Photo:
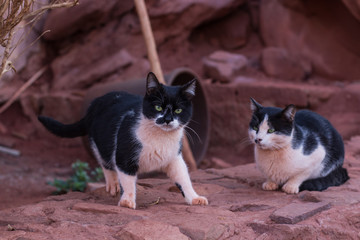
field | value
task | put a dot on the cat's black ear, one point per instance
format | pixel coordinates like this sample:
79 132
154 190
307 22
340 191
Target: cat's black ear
189 89
152 83
254 105
289 112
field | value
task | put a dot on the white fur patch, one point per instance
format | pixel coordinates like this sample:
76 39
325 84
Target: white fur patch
159 146
128 184
263 128
173 125
161 151
289 166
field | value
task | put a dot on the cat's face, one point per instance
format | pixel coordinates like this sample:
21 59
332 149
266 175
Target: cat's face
168 106
271 128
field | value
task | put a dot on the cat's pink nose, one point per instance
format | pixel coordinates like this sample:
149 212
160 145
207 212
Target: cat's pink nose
258 140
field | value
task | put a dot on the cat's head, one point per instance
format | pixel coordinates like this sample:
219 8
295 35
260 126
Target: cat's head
169 107
270 127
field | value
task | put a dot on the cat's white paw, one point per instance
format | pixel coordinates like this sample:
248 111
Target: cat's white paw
199 201
270 186
127 203
291 188
127 200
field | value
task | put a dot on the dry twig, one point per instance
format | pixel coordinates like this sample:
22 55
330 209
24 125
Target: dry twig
12 12
22 89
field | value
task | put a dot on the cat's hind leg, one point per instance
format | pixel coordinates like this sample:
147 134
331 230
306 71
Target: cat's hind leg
128 185
111 179
178 172
112 182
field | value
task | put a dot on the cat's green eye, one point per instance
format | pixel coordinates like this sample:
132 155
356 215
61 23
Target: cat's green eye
255 128
158 108
179 110
271 130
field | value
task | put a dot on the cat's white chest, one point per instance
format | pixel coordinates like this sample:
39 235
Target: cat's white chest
281 165
158 147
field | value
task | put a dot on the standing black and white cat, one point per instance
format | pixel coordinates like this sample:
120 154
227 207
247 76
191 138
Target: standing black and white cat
296 150
131 134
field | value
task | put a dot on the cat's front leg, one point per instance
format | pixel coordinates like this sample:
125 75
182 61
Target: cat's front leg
178 172
270 185
293 184
128 185
291 188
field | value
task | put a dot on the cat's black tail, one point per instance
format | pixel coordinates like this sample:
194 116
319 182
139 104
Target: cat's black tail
335 178
64 130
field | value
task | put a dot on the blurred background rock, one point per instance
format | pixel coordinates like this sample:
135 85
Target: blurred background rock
277 51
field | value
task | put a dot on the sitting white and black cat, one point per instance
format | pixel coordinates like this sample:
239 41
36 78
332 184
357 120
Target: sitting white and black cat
131 134
296 150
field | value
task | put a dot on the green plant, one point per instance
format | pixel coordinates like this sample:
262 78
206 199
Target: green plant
98 174
79 180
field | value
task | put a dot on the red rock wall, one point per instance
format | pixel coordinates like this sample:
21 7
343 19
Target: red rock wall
326 33
312 43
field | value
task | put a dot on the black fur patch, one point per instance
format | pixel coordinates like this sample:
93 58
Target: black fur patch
335 178
112 130
275 120
310 144
311 129
164 97
64 130
180 188
181 147
121 190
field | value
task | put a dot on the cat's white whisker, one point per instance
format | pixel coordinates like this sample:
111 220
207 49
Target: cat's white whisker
192 130
192 120
246 141
188 135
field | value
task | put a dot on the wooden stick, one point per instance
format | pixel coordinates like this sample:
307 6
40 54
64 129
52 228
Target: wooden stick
22 89
149 39
156 68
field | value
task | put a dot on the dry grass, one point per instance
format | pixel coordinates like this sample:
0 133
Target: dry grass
12 13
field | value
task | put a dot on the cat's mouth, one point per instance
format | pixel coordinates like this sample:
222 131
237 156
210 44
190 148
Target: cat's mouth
168 127
262 146
259 145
